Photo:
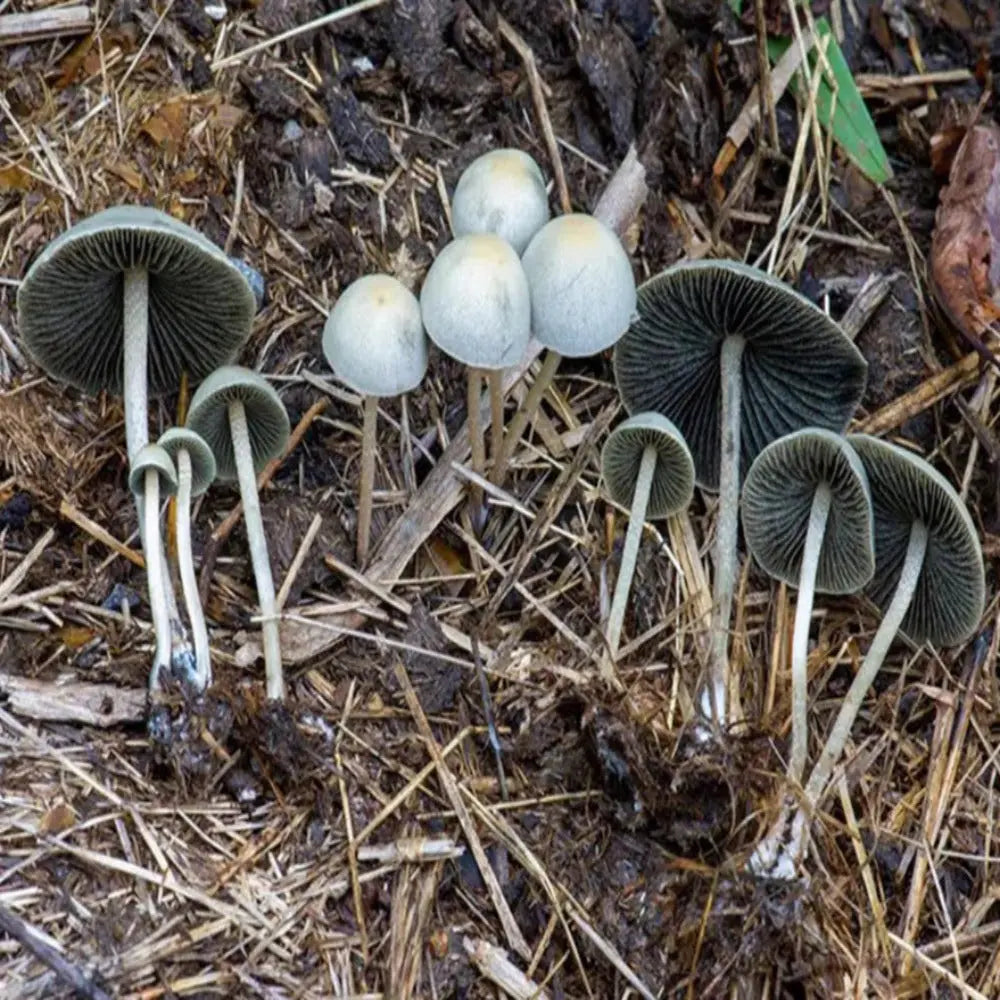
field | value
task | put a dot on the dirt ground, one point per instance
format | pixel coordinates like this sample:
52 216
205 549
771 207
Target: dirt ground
310 852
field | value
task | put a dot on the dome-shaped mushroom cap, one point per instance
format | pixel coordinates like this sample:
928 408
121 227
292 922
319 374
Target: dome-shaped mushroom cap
583 294
474 302
778 498
152 456
948 602
673 478
799 369
267 419
501 192
374 338
70 304
203 466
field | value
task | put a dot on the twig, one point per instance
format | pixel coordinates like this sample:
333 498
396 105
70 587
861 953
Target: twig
101 705
513 933
16 578
494 964
491 729
71 513
81 984
40 24
411 850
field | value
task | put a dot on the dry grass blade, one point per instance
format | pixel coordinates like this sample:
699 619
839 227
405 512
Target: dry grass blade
494 964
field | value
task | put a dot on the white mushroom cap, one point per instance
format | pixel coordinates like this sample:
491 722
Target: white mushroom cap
501 192
475 302
374 338
583 293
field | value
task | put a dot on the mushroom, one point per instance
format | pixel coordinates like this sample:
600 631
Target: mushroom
929 580
807 519
151 476
127 300
374 340
476 308
735 358
196 470
501 192
583 298
647 467
245 424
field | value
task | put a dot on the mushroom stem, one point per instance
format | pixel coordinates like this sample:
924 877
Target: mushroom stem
367 485
135 317
478 445
818 516
525 412
155 576
626 571
778 855
189 582
275 682
727 529
496 413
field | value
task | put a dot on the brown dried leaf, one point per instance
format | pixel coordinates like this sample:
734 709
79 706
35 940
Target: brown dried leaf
965 249
57 819
168 125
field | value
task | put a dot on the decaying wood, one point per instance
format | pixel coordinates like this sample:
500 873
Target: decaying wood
35 25
88 704
443 488
494 964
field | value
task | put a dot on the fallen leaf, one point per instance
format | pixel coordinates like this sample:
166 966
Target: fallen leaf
168 125
72 64
57 819
965 247
127 173
75 636
14 178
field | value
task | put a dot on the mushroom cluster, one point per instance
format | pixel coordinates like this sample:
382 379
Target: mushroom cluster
130 301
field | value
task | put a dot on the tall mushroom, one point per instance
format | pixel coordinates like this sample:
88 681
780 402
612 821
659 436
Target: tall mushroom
928 577
153 476
807 518
196 471
735 358
583 298
246 425
124 302
475 307
647 467
500 192
374 340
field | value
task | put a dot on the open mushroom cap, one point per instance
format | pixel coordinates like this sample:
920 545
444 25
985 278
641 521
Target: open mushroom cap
948 603
501 192
673 477
374 337
70 304
474 302
267 419
798 368
152 456
203 467
583 294
778 498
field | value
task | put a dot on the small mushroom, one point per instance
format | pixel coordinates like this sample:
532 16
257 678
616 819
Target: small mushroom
374 340
807 518
928 577
124 302
583 298
735 358
647 467
245 424
476 308
196 470
501 192
151 476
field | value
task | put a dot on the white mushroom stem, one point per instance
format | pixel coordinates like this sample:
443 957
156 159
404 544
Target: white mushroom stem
818 516
474 384
525 413
155 574
727 528
367 485
189 582
779 854
135 317
496 414
637 518
274 675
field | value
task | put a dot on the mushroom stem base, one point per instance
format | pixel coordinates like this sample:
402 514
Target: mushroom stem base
813 548
274 674
189 582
